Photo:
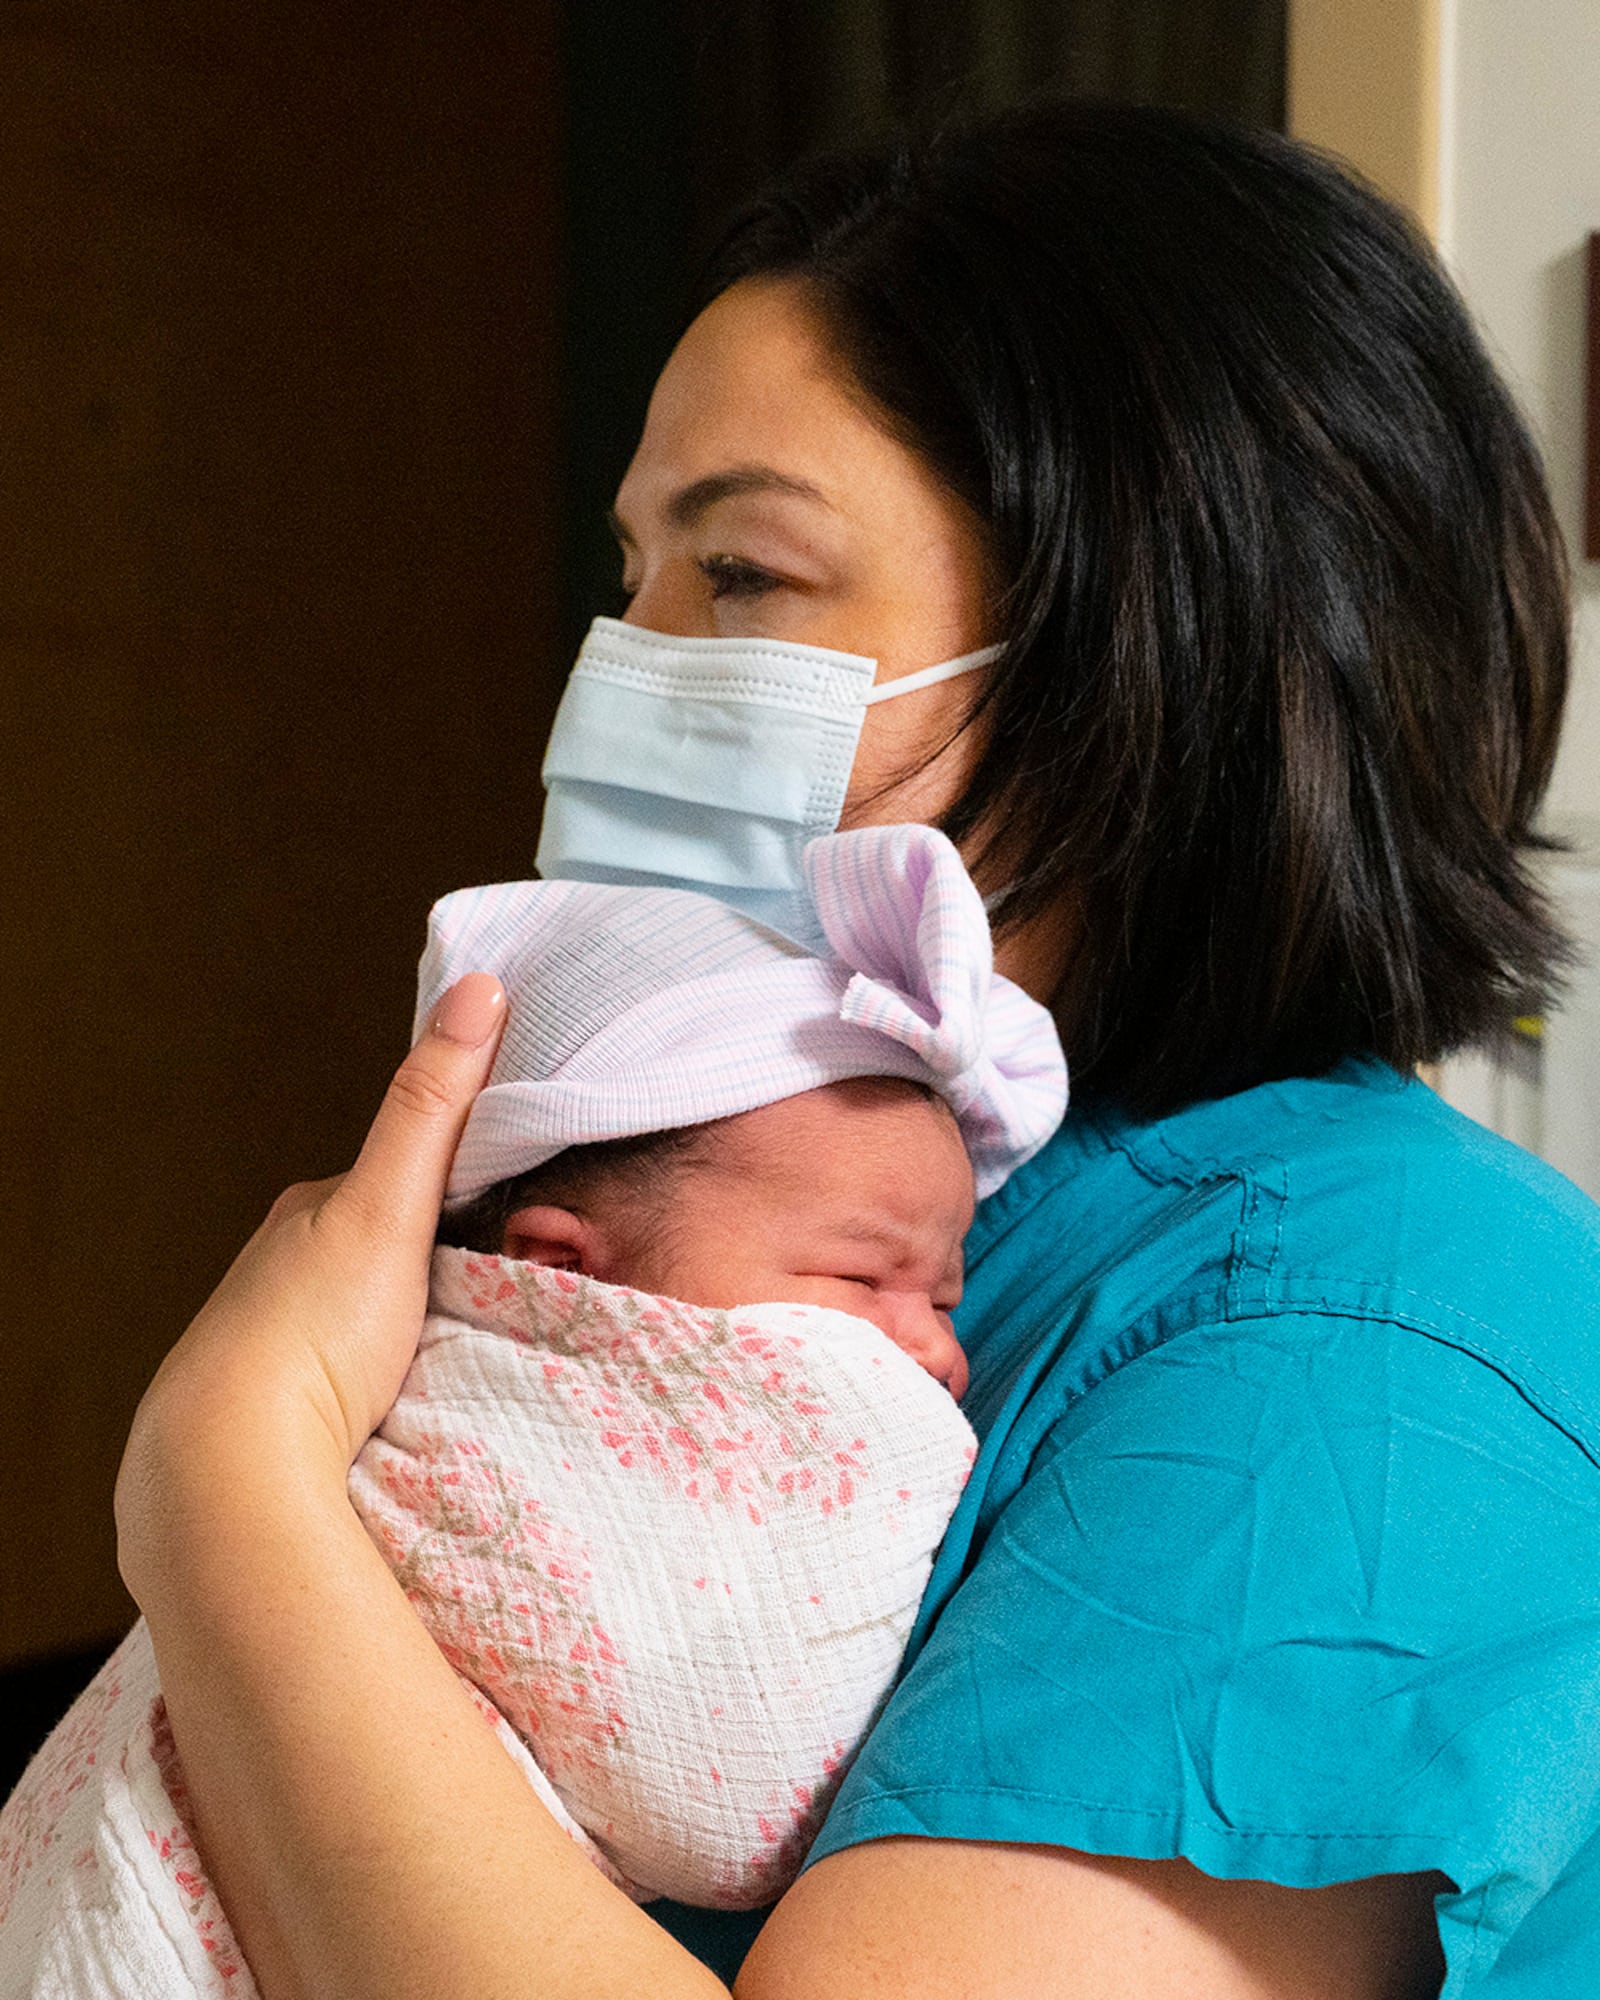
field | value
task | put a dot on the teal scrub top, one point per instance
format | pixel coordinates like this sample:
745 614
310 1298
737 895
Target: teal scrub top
1282 1550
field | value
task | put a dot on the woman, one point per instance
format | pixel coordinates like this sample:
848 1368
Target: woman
1256 1659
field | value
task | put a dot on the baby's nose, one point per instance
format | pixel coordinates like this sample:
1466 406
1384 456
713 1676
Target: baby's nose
916 1325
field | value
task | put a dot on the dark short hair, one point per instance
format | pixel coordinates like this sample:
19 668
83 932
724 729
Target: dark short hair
640 1166
1285 602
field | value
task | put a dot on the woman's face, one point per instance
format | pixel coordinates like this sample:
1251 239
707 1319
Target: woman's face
765 499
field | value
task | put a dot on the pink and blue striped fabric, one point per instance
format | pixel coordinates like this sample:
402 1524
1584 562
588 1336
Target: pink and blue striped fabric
637 1009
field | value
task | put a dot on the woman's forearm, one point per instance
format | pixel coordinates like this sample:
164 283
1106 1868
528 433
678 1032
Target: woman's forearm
366 1832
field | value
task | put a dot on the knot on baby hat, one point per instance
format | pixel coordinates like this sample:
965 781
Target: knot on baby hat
637 1009
898 906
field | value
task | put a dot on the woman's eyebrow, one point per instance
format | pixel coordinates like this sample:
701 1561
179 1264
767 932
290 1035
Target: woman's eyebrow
690 502
687 505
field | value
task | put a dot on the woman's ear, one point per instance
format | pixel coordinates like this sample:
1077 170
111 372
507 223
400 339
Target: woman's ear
540 1234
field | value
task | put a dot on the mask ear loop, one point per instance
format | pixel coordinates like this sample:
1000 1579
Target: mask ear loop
925 677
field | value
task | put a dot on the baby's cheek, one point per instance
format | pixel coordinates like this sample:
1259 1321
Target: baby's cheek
922 1333
951 1365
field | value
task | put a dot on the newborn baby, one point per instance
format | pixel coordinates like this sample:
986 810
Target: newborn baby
854 1195
667 1475
679 1546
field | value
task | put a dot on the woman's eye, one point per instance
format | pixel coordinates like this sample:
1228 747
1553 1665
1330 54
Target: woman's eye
730 577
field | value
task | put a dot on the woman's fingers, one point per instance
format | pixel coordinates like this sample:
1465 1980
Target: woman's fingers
397 1182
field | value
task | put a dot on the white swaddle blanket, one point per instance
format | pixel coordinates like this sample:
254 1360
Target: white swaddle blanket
676 1553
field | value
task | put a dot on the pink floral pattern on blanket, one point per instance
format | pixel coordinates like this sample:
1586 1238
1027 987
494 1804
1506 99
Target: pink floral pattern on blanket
718 1409
174 1847
102 1891
672 1553
40 1808
678 1549
503 1588
786 1826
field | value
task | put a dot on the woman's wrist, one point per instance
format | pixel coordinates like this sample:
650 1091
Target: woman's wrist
218 1447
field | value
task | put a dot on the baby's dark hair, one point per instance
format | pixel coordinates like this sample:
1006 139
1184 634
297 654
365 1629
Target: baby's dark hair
642 1166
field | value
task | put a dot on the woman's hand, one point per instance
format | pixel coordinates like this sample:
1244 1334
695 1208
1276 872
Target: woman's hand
317 1320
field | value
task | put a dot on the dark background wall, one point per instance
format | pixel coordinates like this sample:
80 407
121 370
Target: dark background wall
327 332
278 501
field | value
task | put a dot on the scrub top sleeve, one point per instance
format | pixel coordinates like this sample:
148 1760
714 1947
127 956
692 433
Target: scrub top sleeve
1301 1599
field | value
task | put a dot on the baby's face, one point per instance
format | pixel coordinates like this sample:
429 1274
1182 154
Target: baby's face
856 1195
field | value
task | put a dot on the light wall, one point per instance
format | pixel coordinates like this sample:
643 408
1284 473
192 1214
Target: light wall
1520 179
1521 184
1363 81
1483 117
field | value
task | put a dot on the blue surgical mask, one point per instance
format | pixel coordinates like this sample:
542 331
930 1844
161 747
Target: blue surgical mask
709 763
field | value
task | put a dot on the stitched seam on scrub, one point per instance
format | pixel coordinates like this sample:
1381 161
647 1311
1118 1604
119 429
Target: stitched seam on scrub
1163 1816
1502 1356
1440 1322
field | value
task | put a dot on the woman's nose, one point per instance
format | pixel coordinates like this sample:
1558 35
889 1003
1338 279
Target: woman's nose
666 602
916 1325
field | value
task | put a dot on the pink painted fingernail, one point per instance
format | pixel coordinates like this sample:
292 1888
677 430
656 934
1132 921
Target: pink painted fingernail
470 1012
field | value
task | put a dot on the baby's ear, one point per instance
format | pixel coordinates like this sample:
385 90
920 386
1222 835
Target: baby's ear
540 1234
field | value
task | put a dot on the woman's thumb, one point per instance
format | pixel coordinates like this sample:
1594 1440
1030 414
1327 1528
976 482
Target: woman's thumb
399 1175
